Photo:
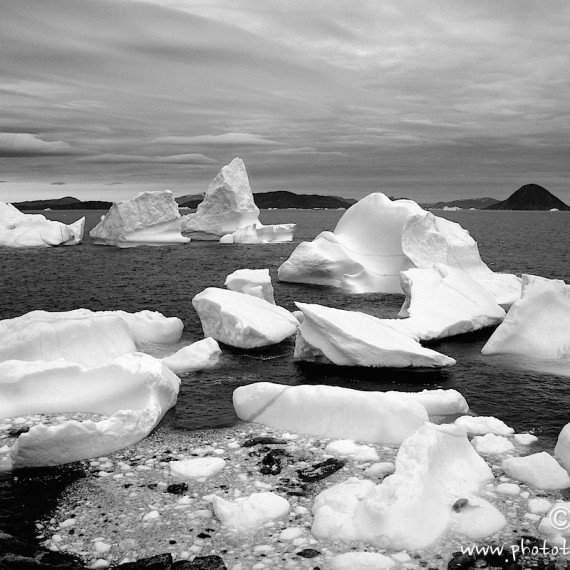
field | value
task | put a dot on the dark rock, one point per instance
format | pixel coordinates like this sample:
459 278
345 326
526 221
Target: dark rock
460 561
272 463
17 432
309 553
459 504
260 440
177 488
212 562
158 562
203 535
321 470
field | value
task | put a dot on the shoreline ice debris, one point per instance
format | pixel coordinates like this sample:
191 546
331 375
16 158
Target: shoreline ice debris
538 324
83 336
135 390
255 282
351 338
35 230
435 467
540 470
333 412
242 320
228 212
377 238
150 218
199 355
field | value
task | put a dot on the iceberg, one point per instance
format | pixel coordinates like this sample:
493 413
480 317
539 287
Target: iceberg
134 390
255 282
538 324
83 336
562 448
35 230
228 205
150 218
242 320
540 470
435 467
199 355
258 233
377 238
351 338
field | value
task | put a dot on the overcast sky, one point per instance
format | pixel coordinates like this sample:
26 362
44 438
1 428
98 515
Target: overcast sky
428 100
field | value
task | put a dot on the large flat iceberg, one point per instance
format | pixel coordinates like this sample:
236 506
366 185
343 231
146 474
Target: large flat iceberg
150 218
35 230
351 338
377 238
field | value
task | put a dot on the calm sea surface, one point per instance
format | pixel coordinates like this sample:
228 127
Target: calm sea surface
528 395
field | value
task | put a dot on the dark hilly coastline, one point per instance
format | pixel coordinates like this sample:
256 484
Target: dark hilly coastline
530 197
67 203
465 204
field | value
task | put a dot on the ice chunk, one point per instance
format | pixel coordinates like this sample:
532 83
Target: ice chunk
525 438
492 444
242 320
377 238
258 233
330 411
380 469
228 205
539 506
197 356
150 218
410 509
538 324
481 425
351 338
83 336
562 449
361 561
35 230
443 301
539 469
198 467
348 448
246 513
555 526
508 489
256 282
136 390
440 402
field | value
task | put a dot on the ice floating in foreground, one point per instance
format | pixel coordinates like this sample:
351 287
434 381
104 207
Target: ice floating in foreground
255 282
333 412
539 469
35 230
351 338
258 233
135 390
83 336
562 449
242 320
197 467
538 324
199 355
435 467
150 218
377 238
481 425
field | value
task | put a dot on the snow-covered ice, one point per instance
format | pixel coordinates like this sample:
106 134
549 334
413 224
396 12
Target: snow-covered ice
481 425
242 320
492 444
150 218
352 338
199 355
197 467
538 324
35 230
256 282
540 470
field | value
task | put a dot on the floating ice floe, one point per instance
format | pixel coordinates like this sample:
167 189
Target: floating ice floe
436 470
539 469
348 448
242 320
377 238
554 526
351 338
333 412
35 230
83 336
255 282
246 513
538 324
482 425
197 467
134 390
490 444
199 355
258 233
150 218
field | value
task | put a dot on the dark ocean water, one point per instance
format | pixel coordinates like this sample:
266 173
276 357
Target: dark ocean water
529 396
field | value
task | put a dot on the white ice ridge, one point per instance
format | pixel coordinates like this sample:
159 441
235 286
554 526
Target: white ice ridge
83 336
242 320
35 230
228 205
377 238
256 282
333 412
199 355
435 468
538 324
150 218
351 338
135 390
258 233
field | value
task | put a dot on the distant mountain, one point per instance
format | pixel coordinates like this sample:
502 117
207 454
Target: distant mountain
67 203
530 197
466 204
